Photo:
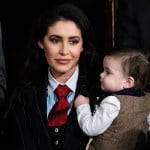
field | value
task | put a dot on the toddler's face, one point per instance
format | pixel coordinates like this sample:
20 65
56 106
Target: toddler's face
112 78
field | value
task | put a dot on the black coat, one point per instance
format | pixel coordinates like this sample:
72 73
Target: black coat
3 85
30 127
132 25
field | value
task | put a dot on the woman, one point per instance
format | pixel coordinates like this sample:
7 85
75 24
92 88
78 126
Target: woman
61 39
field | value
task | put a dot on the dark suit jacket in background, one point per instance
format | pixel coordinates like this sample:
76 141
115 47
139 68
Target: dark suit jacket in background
2 72
132 28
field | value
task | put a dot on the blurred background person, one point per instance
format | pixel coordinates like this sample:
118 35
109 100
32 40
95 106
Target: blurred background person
132 24
3 83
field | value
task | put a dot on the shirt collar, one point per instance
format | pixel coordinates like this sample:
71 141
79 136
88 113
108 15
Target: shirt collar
71 82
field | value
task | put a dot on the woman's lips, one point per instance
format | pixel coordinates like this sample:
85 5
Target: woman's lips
63 61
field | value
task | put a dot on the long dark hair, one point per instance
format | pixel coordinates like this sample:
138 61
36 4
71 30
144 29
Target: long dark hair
35 67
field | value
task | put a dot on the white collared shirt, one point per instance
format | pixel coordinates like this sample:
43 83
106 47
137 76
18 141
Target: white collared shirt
97 123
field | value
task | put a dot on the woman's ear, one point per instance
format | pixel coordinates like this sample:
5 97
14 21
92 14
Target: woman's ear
40 44
129 82
82 49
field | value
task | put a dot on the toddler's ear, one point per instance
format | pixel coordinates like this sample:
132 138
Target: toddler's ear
129 82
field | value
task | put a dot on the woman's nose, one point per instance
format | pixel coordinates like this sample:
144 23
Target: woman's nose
64 49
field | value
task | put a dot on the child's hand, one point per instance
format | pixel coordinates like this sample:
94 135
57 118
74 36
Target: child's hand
80 99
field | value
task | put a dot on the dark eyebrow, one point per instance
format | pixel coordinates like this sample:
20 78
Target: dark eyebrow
55 36
73 37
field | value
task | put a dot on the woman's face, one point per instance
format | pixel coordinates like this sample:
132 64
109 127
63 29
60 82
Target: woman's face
62 46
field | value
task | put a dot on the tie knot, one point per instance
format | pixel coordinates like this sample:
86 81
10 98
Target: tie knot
62 90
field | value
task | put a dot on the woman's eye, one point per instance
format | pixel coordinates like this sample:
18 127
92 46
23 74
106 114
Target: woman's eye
73 42
54 40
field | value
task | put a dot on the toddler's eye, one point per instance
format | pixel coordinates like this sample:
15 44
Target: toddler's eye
108 72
